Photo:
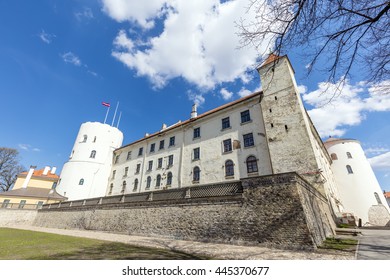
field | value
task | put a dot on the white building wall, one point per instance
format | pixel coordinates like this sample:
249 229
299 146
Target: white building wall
212 158
84 175
357 190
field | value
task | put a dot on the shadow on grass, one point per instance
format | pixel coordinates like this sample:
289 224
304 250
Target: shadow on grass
119 251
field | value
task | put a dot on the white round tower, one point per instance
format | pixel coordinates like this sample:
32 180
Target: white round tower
358 187
86 173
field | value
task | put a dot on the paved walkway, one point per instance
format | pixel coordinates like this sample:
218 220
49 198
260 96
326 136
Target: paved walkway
374 244
215 251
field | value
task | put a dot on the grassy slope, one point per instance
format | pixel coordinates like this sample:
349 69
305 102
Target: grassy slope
26 245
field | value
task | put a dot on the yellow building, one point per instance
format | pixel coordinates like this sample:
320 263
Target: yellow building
32 189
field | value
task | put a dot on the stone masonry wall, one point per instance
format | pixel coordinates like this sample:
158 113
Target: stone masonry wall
272 210
9 217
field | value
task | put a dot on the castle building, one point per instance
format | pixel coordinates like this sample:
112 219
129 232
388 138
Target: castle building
86 173
265 133
32 189
358 187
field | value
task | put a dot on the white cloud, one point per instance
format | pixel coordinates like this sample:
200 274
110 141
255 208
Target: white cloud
86 13
244 92
71 58
28 147
198 99
46 37
226 95
334 113
376 150
381 161
198 41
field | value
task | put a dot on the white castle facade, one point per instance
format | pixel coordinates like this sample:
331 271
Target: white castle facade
265 133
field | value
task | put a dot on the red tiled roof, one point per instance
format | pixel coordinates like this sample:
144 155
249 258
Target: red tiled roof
386 194
39 173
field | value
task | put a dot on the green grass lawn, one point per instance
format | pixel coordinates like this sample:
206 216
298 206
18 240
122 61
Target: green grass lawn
18 244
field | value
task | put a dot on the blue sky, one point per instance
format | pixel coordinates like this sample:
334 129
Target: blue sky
60 59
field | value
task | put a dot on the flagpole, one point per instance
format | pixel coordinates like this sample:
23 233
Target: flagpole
108 109
117 104
119 119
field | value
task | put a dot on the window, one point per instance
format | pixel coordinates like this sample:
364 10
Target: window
196 132
229 168
152 147
116 159
172 141
54 186
150 165
93 154
111 187
251 164
159 163
170 160
245 116
248 140
333 156
226 123
196 155
158 181
5 203
227 145
39 204
113 174
21 204
148 182
349 155
169 179
126 171
135 185
81 182
140 151
196 174
138 169
128 155
85 137
349 169
378 200
94 139
161 145
123 187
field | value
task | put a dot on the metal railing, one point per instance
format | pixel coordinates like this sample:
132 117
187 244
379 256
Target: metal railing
202 191
20 206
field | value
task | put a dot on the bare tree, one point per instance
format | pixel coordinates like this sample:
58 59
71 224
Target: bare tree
9 167
338 35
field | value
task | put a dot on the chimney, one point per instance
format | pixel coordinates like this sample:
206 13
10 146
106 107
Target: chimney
53 170
164 126
28 177
46 170
194 114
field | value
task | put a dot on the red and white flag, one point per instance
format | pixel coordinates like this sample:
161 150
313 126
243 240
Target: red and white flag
106 104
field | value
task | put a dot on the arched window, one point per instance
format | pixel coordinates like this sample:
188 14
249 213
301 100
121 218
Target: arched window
111 188
123 187
93 154
229 168
196 174
135 185
169 178
158 181
85 137
349 169
251 164
81 182
378 200
349 155
333 156
148 182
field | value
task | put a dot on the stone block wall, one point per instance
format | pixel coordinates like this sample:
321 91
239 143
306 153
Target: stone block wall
275 211
10 217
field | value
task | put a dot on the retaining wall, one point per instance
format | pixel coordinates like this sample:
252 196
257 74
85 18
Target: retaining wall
279 211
